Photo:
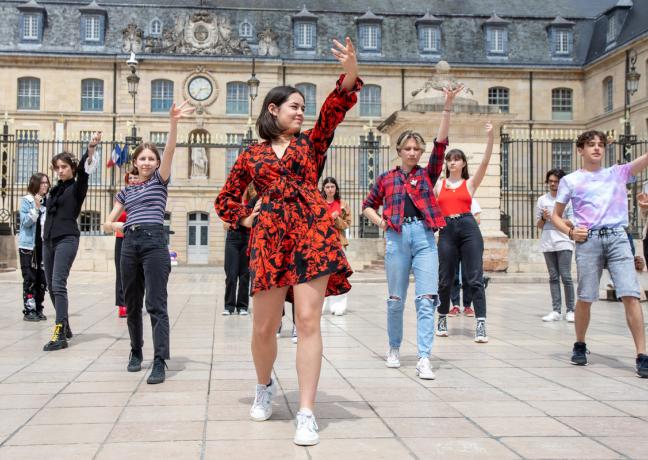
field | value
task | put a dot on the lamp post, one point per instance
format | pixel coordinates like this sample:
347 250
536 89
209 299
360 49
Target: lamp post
133 82
253 91
627 140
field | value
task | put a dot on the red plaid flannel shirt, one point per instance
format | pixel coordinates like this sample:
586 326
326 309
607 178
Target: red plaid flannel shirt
391 186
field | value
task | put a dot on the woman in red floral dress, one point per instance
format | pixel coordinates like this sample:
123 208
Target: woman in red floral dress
295 250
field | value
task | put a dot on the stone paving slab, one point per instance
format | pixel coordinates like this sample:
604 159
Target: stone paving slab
515 397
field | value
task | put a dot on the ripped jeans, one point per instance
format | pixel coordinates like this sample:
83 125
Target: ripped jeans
414 249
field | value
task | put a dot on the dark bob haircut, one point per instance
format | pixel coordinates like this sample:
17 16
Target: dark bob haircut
35 182
587 136
266 124
559 173
66 157
331 180
455 154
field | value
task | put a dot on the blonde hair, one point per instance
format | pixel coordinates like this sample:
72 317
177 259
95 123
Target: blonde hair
406 136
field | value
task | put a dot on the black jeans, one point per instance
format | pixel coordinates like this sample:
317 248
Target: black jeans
460 288
119 291
58 257
145 267
461 239
237 269
34 284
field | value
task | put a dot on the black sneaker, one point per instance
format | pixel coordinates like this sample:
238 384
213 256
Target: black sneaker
579 354
57 342
157 374
68 331
442 326
642 366
41 315
31 316
135 361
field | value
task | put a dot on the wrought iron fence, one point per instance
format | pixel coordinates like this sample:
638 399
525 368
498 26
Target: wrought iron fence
524 166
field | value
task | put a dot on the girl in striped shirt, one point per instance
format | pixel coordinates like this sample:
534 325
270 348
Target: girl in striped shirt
145 263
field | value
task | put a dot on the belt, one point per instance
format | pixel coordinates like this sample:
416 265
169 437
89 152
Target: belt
136 227
458 216
410 219
605 232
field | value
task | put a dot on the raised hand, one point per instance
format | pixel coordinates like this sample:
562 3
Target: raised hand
95 139
346 54
489 129
450 94
177 112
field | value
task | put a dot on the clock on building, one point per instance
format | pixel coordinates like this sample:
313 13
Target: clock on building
200 88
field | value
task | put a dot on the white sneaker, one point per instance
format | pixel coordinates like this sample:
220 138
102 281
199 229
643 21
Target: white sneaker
480 332
553 316
424 369
243 312
226 313
393 358
570 316
306 432
262 408
294 334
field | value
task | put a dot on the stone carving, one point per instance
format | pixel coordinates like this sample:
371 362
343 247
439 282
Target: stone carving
199 33
268 43
441 80
132 39
199 162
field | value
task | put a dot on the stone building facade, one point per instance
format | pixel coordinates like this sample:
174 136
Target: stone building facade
548 67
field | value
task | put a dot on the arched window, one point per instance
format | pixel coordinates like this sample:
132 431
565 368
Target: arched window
237 98
156 27
310 97
246 30
28 93
608 94
161 95
561 104
498 96
370 101
92 95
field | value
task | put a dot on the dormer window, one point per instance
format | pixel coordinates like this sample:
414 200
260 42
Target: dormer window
246 31
496 30
370 33
32 21
93 24
611 29
429 34
616 17
156 27
305 30
561 36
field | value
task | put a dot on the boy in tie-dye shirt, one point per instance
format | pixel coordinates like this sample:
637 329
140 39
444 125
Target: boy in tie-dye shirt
598 197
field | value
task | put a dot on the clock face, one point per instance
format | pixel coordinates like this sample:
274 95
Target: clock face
200 88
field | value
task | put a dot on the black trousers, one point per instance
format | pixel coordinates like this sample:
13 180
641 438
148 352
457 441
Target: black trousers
34 284
58 257
119 291
460 288
237 270
145 267
462 239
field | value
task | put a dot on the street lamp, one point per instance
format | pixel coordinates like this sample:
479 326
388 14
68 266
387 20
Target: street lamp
133 82
253 91
627 140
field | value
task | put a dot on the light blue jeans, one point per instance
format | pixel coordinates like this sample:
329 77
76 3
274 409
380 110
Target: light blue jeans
414 249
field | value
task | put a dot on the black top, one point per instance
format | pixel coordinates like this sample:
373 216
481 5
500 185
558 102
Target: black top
64 204
410 209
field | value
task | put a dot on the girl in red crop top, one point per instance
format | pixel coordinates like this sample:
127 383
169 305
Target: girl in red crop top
461 239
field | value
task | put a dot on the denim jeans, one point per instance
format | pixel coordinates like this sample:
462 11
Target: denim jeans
58 257
559 267
414 249
145 267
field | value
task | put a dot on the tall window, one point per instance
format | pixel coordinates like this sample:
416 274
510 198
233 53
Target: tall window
310 97
90 222
31 27
429 39
28 93
237 98
611 29
608 94
92 95
562 41
161 95
92 29
497 40
370 39
85 136
232 152
561 104
156 27
499 97
305 34
370 101
561 155
26 154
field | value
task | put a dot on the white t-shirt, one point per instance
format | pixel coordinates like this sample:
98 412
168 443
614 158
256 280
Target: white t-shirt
553 239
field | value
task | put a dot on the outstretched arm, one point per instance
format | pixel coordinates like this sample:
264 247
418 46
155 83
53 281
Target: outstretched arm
475 181
167 157
435 164
444 126
639 164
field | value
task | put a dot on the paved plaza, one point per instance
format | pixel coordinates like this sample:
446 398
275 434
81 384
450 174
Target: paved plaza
515 397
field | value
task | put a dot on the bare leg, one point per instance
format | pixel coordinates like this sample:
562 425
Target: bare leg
266 317
308 309
582 319
634 317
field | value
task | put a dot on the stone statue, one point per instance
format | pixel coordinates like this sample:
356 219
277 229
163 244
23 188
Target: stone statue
132 39
268 43
441 80
199 162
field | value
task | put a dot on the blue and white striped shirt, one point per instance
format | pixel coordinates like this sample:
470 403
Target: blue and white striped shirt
145 203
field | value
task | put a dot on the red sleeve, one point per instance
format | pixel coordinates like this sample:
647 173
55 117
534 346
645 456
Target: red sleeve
122 217
435 165
376 194
228 202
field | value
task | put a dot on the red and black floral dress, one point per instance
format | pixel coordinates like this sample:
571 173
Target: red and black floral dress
294 239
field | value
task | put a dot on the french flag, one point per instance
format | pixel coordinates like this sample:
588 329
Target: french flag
118 157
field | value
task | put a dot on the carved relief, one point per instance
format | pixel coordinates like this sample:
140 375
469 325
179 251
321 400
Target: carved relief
132 39
268 43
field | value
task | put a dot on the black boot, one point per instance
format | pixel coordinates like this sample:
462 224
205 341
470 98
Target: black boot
135 361
57 342
157 374
41 315
68 331
30 315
